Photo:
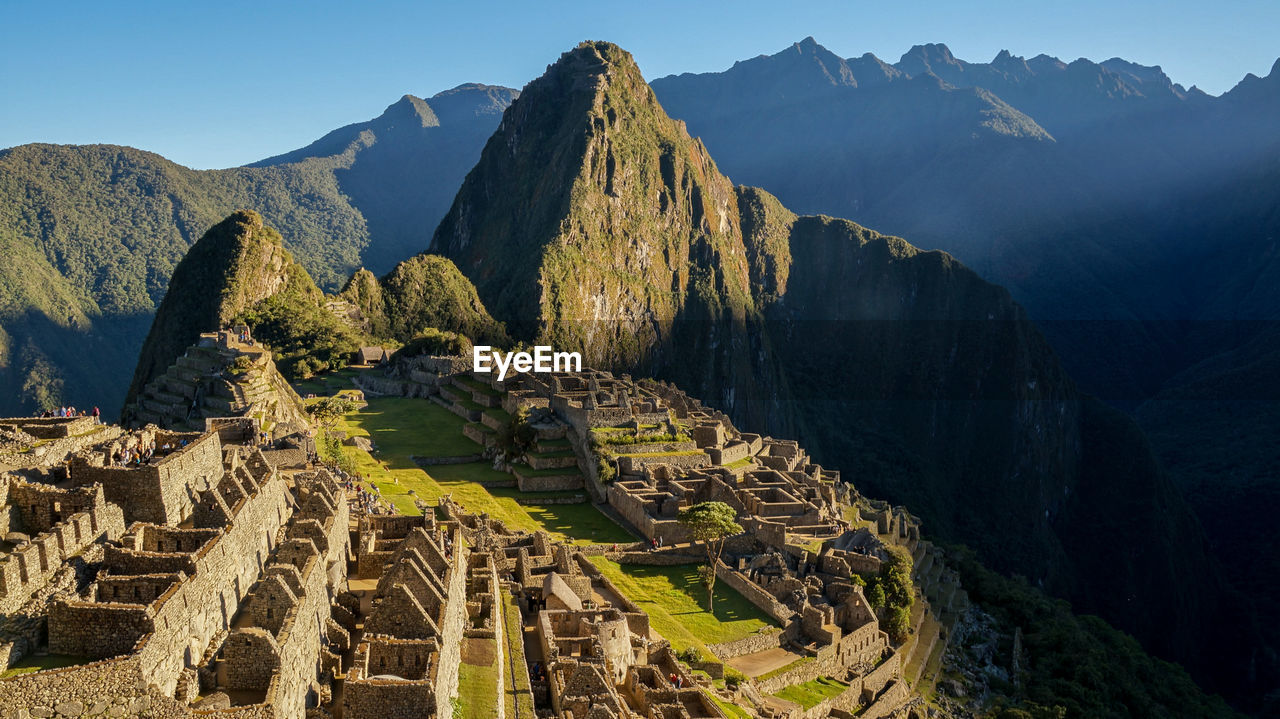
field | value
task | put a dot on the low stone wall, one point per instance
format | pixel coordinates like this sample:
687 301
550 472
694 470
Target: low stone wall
474 433
659 558
754 593
631 464
538 461
749 645
535 501
436 461
553 483
95 689
655 447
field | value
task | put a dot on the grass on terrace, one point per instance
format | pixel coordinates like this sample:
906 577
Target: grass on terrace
477 688
676 604
733 711
519 699
811 693
405 427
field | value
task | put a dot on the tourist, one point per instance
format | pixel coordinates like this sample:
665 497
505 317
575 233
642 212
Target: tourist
97 416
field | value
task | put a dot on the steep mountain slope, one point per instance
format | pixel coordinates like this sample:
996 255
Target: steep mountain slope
238 263
424 291
594 221
104 226
407 163
1140 239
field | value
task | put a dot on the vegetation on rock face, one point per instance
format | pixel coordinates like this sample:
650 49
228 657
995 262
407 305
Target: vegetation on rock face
432 341
421 292
294 322
1078 664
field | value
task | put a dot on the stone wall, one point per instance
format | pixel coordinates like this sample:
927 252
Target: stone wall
113 688
290 606
28 569
186 617
631 464
50 427
752 644
387 699
453 624
159 493
553 483
753 593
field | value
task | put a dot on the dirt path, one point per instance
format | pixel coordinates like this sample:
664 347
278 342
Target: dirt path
763 662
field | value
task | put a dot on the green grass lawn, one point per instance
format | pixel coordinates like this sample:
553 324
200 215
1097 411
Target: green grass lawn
32 664
676 603
412 426
477 689
405 427
519 699
733 711
811 693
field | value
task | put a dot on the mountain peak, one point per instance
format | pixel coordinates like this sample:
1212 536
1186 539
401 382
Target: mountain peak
587 153
410 110
935 58
235 264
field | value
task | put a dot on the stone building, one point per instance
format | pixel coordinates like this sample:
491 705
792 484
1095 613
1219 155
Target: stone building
406 665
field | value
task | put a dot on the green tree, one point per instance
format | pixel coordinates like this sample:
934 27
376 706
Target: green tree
328 410
710 523
897 623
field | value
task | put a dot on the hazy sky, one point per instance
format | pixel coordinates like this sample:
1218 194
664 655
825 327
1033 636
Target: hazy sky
218 84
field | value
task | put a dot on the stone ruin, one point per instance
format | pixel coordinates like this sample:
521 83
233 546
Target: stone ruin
197 568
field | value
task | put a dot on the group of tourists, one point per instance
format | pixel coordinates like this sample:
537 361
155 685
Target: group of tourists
141 450
364 500
66 412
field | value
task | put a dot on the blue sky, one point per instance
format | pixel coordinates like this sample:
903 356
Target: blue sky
225 83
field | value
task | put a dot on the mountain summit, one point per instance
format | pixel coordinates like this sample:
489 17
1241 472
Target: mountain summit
594 222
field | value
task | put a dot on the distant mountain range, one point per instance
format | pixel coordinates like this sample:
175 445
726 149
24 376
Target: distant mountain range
1135 220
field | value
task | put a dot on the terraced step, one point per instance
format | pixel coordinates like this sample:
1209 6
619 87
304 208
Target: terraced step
920 648
922 566
453 394
547 446
553 460
529 479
